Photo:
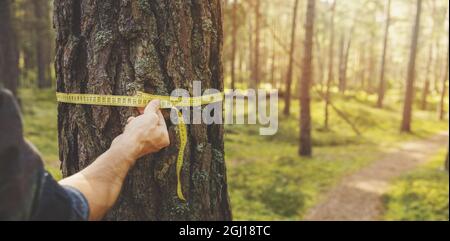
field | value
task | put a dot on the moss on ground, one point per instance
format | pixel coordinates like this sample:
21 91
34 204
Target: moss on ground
421 194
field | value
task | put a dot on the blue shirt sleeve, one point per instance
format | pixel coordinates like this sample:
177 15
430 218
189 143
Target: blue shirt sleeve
59 203
27 191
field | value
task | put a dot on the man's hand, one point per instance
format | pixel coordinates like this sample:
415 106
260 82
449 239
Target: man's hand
144 134
101 181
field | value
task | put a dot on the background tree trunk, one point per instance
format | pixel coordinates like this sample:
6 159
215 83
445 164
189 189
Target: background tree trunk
426 85
382 87
9 55
251 54
330 66
256 72
42 38
446 162
287 95
343 60
409 94
372 59
437 68
305 148
273 65
444 89
233 44
120 47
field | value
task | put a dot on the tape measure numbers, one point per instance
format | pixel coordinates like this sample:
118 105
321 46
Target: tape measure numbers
141 100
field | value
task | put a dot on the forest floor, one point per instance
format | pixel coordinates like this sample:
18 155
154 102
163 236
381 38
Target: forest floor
360 195
267 179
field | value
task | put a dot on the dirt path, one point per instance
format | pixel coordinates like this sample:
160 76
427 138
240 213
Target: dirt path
358 196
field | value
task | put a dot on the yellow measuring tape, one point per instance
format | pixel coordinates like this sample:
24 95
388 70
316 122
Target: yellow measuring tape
141 100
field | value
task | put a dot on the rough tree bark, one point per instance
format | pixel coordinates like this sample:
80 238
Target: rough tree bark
330 66
9 55
382 86
305 145
123 46
287 95
409 93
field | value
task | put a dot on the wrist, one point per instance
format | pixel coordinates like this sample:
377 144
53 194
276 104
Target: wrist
124 149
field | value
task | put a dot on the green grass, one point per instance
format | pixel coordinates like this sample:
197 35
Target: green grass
40 125
421 194
267 179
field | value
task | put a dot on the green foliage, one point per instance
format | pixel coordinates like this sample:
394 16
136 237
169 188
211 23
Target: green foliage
421 194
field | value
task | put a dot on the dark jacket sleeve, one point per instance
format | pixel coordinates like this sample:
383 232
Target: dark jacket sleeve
27 191
58 203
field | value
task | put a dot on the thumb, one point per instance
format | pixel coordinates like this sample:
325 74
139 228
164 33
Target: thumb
152 107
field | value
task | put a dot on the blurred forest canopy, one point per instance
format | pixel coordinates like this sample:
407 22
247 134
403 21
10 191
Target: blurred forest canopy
359 30
356 48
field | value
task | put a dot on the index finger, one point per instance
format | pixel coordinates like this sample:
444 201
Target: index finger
152 107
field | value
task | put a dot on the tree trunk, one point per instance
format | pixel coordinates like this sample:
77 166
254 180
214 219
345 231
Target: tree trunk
446 162
437 68
330 66
346 56
287 94
251 56
362 65
256 61
272 65
9 55
241 66
426 85
41 26
319 61
382 87
233 44
343 60
444 90
305 148
371 73
409 94
120 47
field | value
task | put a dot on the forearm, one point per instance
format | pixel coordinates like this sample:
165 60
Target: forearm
101 181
